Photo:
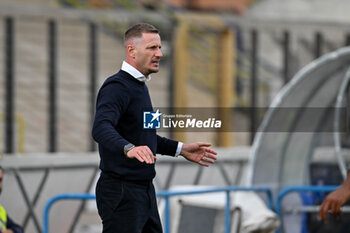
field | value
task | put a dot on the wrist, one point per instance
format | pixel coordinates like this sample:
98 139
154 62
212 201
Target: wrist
184 149
128 147
178 149
346 185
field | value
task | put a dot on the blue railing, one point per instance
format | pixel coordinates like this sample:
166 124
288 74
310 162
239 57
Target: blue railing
284 192
166 195
299 189
54 199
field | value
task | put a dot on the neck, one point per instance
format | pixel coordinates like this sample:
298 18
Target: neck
133 64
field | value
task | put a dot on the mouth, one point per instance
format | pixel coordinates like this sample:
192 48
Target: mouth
155 63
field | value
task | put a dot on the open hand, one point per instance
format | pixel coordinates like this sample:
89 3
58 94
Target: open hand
199 153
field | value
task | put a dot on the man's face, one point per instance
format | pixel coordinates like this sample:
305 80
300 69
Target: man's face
147 53
0 180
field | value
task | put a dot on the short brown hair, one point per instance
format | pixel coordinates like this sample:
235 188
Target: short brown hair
138 29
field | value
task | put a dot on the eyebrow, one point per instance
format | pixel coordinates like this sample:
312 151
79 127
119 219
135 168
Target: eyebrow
153 45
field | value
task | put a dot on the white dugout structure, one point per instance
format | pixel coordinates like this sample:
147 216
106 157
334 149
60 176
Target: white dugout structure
306 120
303 139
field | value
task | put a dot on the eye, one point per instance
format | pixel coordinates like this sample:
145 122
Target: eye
155 47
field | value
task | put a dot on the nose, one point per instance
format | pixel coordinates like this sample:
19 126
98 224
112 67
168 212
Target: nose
159 53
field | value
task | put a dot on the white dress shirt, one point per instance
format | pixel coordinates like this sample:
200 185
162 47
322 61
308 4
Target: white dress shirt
134 72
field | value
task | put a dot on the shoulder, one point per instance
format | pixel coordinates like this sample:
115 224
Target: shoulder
114 87
116 80
116 84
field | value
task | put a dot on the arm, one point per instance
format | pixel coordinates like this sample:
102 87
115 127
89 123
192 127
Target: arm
335 200
165 146
199 153
112 101
12 227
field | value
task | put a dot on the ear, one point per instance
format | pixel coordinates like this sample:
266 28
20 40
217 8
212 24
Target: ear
131 51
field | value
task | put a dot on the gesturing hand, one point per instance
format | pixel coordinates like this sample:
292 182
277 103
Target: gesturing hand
199 153
334 202
142 154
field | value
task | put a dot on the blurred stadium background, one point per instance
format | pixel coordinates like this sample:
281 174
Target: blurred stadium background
54 55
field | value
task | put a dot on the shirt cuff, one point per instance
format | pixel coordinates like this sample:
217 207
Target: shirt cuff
179 148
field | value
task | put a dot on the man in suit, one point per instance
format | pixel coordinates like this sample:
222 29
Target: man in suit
125 194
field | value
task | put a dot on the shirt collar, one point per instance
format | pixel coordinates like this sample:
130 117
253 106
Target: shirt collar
134 72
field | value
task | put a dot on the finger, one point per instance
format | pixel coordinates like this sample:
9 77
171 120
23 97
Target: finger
203 164
147 156
335 210
148 150
205 161
320 213
151 153
139 158
324 211
151 157
211 151
338 211
141 155
211 156
209 160
325 216
206 144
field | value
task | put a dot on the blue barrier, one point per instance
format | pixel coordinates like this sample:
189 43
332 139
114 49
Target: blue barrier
284 192
166 195
61 197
